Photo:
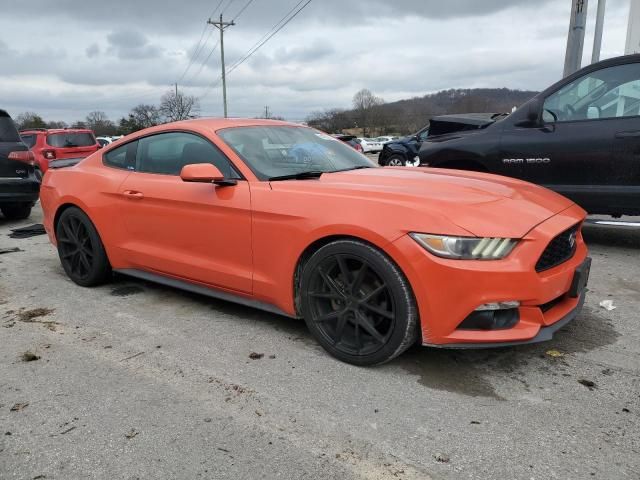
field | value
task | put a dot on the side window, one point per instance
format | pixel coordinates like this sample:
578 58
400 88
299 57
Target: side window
29 140
167 153
120 157
607 93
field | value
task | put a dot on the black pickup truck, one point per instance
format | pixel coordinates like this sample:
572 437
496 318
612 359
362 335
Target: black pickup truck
580 137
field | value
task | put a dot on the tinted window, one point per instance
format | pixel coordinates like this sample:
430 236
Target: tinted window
29 140
71 139
274 151
118 158
8 131
167 153
607 93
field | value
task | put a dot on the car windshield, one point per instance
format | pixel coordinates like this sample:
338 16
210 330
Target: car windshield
275 151
71 139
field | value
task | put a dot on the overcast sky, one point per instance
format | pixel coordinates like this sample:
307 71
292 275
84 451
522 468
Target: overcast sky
65 58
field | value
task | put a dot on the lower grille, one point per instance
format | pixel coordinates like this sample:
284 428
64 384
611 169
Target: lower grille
559 250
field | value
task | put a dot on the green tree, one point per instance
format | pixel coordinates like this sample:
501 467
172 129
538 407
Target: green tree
27 120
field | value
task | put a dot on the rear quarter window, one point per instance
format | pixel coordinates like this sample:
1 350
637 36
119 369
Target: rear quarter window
122 157
29 140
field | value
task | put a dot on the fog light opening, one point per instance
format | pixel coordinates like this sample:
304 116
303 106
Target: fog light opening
492 316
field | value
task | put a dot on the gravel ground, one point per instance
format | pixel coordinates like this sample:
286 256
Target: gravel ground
135 380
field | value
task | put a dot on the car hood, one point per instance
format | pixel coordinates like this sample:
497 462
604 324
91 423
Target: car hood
429 199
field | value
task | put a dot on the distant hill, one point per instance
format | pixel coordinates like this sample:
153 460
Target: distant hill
407 116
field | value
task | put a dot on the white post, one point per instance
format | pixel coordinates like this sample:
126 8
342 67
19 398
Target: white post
633 28
597 34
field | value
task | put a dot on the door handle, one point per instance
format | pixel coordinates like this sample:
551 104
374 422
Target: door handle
133 194
635 133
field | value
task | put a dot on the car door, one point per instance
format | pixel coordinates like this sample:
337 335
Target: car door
586 143
195 231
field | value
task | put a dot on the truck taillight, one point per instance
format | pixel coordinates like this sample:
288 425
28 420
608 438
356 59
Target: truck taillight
23 156
49 154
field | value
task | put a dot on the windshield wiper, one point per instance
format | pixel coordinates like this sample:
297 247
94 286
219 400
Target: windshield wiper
359 167
298 176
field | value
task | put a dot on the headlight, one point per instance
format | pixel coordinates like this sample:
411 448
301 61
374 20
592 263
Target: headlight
465 248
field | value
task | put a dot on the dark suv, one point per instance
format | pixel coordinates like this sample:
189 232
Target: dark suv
19 186
580 137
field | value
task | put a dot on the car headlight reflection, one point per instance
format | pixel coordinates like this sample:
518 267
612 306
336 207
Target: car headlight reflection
466 248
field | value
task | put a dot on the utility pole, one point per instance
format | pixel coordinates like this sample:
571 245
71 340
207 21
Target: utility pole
597 34
220 25
176 90
633 29
266 111
575 39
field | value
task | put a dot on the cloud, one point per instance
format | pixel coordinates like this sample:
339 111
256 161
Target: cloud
333 48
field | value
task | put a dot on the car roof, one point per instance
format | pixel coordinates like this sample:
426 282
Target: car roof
56 130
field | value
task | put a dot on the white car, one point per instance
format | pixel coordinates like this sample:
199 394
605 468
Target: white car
385 139
103 141
369 145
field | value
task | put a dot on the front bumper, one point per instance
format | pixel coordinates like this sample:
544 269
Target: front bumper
447 291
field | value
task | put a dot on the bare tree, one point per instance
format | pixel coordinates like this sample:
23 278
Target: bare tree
364 105
100 123
29 120
176 106
146 115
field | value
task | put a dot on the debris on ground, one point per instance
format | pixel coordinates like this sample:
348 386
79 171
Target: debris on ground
442 458
68 430
474 422
33 315
256 356
19 407
608 305
30 231
29 356
207 420
10 250
272 357
626 410
132 356
587 383
132 433
554 353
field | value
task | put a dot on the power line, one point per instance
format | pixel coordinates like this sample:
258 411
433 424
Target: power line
200 45
264 39
242 9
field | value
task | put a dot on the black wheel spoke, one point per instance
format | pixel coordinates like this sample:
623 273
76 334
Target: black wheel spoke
368 327
346 275
69 232
342 321
327 295
70 253
331 283
383 313
359 278
328 316
373 293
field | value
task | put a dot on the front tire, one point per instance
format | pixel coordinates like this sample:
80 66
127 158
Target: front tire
18 211
396 161
357 303
80 249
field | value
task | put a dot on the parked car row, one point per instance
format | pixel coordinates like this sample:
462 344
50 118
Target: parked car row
59 144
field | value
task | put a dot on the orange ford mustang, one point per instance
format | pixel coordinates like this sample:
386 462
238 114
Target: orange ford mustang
288 219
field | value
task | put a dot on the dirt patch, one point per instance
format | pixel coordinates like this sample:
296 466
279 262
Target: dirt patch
29 356
34 316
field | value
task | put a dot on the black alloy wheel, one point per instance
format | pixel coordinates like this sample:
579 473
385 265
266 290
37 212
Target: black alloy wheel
80 249
357 303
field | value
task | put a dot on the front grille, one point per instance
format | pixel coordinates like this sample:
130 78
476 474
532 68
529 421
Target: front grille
559 250
545 307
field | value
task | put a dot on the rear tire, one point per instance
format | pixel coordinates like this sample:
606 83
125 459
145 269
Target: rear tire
80 249
18 211
357 303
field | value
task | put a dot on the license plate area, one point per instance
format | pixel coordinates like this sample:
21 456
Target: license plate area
580 278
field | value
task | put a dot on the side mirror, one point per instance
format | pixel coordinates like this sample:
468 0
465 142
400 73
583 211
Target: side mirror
534 112
204 173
